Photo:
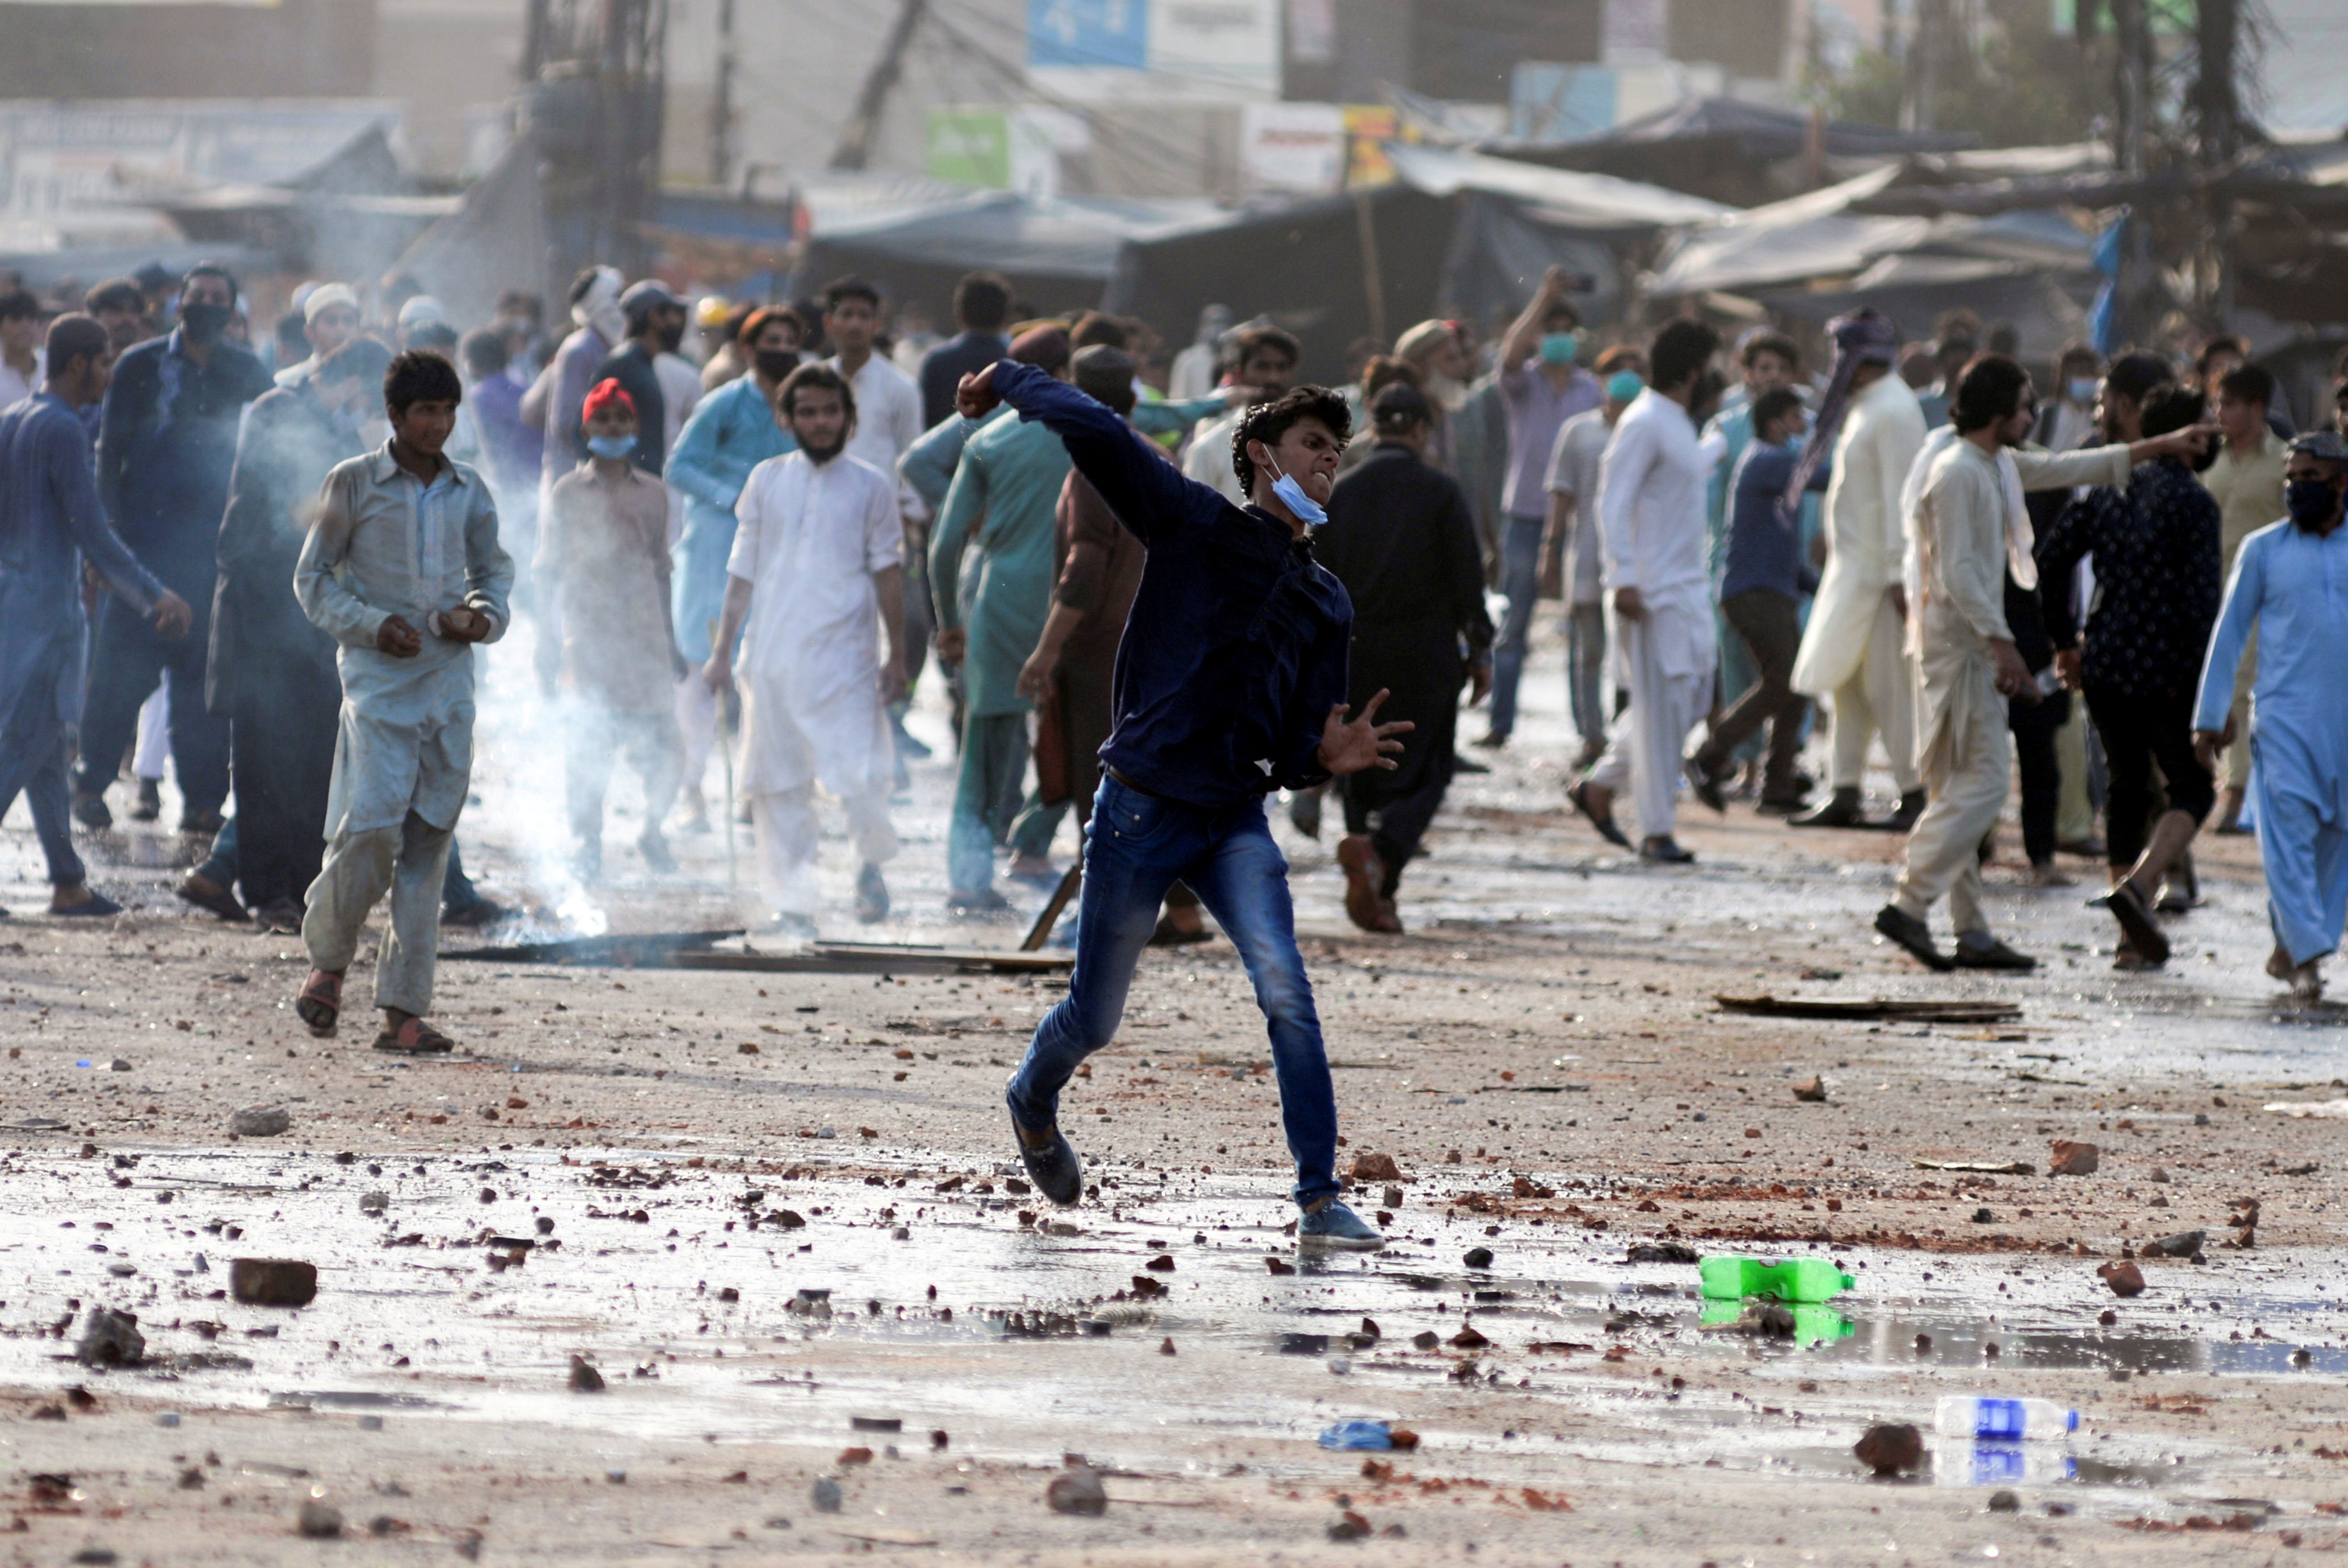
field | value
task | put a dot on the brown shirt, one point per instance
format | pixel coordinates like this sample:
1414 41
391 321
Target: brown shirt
602 549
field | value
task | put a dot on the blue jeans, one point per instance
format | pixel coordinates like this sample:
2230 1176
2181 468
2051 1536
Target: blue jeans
1520 581
33 760
1135 847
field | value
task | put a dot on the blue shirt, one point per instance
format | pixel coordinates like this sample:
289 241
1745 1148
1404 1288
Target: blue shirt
729 432
166 445
50 521
1764 541
1235 649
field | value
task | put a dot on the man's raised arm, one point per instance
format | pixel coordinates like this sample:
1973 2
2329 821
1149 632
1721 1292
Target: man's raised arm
1145 492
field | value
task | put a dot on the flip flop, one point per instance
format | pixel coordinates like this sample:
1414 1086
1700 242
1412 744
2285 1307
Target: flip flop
2127 907
320 1004
414 1038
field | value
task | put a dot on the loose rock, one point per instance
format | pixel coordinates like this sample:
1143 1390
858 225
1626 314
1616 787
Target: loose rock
1369 1168
260 1121
584 1379
2125 1279
374 1203
273 1282
1348 1526
318 1521
1077 1490
825 1495
2184 1245
110 1338
2072 1159
2004 1500
1889 1448
1477 1257
1812 1091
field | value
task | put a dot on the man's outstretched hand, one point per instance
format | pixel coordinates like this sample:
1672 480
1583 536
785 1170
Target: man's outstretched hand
1364 743
975 397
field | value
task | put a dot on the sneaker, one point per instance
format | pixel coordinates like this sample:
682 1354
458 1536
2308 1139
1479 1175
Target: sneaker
150 801
1330 1225
1051 1164
89 811
871 896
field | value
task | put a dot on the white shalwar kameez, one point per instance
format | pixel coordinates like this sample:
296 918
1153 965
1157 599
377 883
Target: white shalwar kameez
1651 518
1969 525
809 539
1852 652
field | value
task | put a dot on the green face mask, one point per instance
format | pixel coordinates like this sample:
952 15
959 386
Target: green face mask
1624 386
1559 347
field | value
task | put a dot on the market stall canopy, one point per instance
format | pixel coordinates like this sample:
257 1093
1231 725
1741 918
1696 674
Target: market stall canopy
1560 196
1730 151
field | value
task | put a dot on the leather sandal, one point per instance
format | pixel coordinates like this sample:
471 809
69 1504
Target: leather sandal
320 1004
2127 907
415 1037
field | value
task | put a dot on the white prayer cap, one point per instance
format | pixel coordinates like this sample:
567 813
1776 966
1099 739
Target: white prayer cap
325 297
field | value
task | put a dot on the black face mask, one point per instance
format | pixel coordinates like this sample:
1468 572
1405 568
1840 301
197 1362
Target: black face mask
774 364
203 324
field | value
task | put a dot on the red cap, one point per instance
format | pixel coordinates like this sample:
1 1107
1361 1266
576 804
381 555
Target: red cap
607 391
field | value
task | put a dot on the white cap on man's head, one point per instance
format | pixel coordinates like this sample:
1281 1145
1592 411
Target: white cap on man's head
421 310
325 297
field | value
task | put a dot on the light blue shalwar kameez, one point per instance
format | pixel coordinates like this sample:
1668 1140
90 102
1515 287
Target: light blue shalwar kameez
2294 585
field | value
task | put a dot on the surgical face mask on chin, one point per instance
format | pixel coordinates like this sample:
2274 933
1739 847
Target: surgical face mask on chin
1302 507
611 446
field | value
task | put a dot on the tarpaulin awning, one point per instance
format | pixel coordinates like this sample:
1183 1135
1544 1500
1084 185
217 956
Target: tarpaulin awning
1565 197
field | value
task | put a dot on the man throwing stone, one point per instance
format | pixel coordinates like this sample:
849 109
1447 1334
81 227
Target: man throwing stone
1231 683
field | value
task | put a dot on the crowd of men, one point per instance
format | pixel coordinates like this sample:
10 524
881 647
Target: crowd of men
290 552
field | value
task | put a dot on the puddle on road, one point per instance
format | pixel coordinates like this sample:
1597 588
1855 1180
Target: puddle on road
418 1317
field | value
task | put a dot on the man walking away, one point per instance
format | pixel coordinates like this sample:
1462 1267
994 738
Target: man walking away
51 522
2291 584
1761 594
1541 387
403 570
1232 683
1854 648
1651 523
167 443
1971 529
1401 541
982 302
554 401
602 555
1572 548
2247 478
819 560
2158 582
271 673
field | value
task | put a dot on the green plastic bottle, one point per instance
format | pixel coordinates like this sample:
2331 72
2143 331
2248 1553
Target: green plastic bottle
1811 1324
1789 1280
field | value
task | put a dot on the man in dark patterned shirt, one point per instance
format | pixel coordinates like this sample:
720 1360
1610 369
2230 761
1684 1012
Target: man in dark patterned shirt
2158 574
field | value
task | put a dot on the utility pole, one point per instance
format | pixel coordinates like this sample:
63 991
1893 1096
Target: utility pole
593 102
1928 51
721 104
2132 85
863 126
2215 102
